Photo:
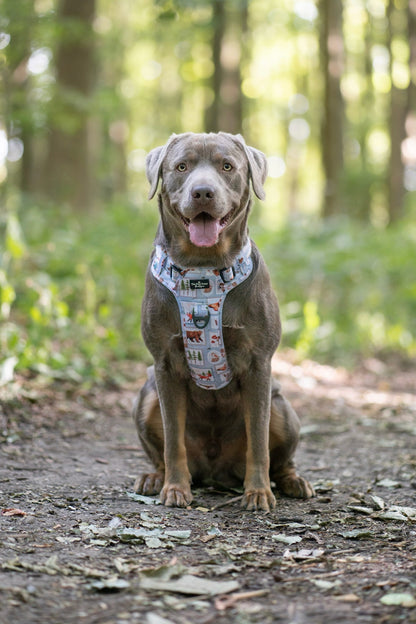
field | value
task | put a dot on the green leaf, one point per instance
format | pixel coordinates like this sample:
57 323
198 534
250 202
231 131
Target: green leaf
14 237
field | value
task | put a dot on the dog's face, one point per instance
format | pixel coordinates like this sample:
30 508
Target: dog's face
205 183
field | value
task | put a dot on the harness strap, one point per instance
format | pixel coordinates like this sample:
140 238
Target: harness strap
200 294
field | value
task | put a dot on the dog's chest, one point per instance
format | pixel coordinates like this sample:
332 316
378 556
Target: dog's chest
200 295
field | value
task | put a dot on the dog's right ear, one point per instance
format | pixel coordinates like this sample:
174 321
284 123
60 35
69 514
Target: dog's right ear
257 166
154 162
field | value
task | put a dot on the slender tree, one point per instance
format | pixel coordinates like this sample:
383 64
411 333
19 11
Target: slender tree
332 52
411 90
397 121
15 106
411 20
69 168
229 26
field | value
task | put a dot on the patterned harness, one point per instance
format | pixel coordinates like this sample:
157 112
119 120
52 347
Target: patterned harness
200 294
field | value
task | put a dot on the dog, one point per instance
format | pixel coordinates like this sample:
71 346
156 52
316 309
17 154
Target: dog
210 412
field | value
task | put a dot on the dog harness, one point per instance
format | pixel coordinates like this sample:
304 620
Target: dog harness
200 294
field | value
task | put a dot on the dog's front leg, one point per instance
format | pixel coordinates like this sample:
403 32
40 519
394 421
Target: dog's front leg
176 491
257 490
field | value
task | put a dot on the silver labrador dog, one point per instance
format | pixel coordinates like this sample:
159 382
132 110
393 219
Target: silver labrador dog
210 411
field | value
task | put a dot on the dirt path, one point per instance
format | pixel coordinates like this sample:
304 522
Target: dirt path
75 547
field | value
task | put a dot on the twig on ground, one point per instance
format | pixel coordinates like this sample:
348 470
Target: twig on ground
226 602
227 502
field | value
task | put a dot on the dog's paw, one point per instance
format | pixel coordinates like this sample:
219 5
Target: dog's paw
259 499
296 487
149 484
176 495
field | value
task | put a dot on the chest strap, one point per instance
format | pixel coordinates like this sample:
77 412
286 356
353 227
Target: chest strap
200 294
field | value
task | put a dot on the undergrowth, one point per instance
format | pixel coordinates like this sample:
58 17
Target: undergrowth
71 287
347 290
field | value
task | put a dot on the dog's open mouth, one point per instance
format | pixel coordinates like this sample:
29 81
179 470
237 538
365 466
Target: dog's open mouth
204 229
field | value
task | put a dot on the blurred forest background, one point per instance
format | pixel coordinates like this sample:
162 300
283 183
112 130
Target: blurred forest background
327 89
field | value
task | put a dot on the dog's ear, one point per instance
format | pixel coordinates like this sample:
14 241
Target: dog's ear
154 162
257 166
257 163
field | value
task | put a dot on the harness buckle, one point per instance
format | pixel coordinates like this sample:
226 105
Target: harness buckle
227 274
175 272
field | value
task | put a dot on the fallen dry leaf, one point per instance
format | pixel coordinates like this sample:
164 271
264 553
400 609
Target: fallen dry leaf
146 500
154 618
393 515
286 539
13 512
399 599
111 584
357 534
207 538
348 598
303 554
367 511
323 584
410 512
378 502
388 483
189 584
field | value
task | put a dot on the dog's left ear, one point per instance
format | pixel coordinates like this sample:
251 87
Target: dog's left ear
154 162
257 166
257 163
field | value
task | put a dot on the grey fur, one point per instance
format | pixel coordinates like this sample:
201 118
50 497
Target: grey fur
246 432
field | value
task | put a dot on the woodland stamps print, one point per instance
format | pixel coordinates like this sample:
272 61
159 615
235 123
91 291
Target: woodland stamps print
200 294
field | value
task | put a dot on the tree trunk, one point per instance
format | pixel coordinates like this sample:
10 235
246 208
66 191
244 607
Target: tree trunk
69 166
411 19
332 50
15 106
398 112
230 23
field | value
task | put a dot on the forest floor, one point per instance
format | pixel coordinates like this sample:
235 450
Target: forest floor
76 546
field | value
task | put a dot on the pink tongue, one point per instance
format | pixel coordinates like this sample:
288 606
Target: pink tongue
204 230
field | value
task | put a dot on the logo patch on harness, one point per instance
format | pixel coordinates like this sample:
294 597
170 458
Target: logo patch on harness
199 284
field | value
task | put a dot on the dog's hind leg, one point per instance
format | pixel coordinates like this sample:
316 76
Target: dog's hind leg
148 420
284 437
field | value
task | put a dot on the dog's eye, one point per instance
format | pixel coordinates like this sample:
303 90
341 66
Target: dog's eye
227 166
182 167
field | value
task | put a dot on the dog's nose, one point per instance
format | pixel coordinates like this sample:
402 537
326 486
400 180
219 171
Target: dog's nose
203 193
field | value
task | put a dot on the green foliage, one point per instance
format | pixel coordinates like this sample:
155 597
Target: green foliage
71 284
346 290
306 340
71 288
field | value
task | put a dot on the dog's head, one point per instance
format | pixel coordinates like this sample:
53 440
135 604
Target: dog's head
205 183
